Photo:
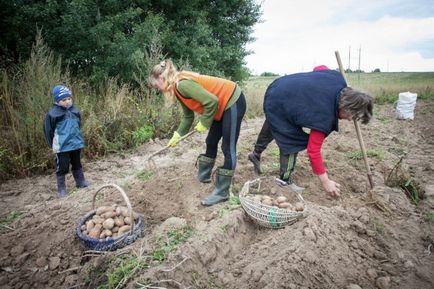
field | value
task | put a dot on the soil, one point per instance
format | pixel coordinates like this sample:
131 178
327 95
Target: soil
352 242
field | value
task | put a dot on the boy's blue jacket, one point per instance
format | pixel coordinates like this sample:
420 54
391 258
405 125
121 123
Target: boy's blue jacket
302 100
62 129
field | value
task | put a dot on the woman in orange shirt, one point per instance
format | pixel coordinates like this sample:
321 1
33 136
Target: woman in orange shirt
221 106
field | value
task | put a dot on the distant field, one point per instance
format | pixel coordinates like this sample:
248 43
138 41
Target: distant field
384 87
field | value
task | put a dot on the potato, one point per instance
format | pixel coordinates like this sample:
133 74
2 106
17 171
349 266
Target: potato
124 229
268 202
101 210
299 206
89 225
115 229
83 228
119 221
110 214
108 224
97 219
95 233
107 233
265 197
123 211
285 205
257 199
281 199
127 220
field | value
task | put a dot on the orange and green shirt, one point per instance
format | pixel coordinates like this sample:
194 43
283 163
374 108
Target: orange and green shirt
206 95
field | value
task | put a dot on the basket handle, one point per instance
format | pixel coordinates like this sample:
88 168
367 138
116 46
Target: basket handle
245 189
130 209
246 186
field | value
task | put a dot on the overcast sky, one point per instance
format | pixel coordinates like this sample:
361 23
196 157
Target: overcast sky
296 35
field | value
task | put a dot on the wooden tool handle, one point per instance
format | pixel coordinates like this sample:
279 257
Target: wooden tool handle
166 147
357 126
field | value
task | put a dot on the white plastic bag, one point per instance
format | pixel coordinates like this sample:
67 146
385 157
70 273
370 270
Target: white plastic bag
405 106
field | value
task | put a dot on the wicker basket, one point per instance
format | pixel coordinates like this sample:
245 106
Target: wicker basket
268 216
110 243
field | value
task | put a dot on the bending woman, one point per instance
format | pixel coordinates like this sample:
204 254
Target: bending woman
221 106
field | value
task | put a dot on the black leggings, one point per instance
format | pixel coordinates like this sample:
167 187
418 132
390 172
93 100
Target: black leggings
64 159
264 139
227 128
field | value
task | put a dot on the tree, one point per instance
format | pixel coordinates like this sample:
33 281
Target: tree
103 39
269 74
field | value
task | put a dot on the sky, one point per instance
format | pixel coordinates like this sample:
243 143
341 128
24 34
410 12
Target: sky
296 35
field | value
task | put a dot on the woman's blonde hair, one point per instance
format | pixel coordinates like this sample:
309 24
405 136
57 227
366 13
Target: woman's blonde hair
167 70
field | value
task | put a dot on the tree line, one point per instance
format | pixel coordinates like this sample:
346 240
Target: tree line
103 50
107 39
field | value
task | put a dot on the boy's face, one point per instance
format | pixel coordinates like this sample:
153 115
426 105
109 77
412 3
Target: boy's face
66 102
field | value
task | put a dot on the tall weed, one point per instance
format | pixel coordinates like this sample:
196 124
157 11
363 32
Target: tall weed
114 116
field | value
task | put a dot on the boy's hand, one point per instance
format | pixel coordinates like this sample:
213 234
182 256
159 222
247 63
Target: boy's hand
174 140
200 127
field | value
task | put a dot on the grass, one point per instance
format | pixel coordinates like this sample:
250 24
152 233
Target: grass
233 203
429 217
384 87
145 175
372 153
171 242
120 270
11 217
127 120
270 167
397 151
378 226
411 190
275 152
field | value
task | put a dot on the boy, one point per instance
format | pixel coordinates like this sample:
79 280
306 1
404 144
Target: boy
62 132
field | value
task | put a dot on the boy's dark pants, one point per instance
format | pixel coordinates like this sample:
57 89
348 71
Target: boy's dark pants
64 159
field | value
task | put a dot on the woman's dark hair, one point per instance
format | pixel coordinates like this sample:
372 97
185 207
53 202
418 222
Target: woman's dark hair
357 103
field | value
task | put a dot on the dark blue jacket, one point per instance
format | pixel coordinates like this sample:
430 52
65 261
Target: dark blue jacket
302 100
62 129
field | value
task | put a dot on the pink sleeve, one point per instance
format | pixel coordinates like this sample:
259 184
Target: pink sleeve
316 139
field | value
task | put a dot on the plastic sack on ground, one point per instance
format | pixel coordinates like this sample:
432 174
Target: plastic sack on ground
405 105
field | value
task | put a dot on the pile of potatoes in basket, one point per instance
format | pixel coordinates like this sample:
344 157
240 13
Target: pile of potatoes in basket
108 221
280 202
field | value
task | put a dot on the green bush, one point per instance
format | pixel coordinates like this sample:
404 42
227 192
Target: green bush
143 134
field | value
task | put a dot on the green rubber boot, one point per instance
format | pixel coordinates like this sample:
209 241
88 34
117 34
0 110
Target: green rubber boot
205 165
221 191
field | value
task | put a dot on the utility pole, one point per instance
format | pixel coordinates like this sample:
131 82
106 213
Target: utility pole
349 58
360 56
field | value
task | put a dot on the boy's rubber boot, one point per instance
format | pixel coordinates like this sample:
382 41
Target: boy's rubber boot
256 163
80 181
221 190
61 186
205 165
